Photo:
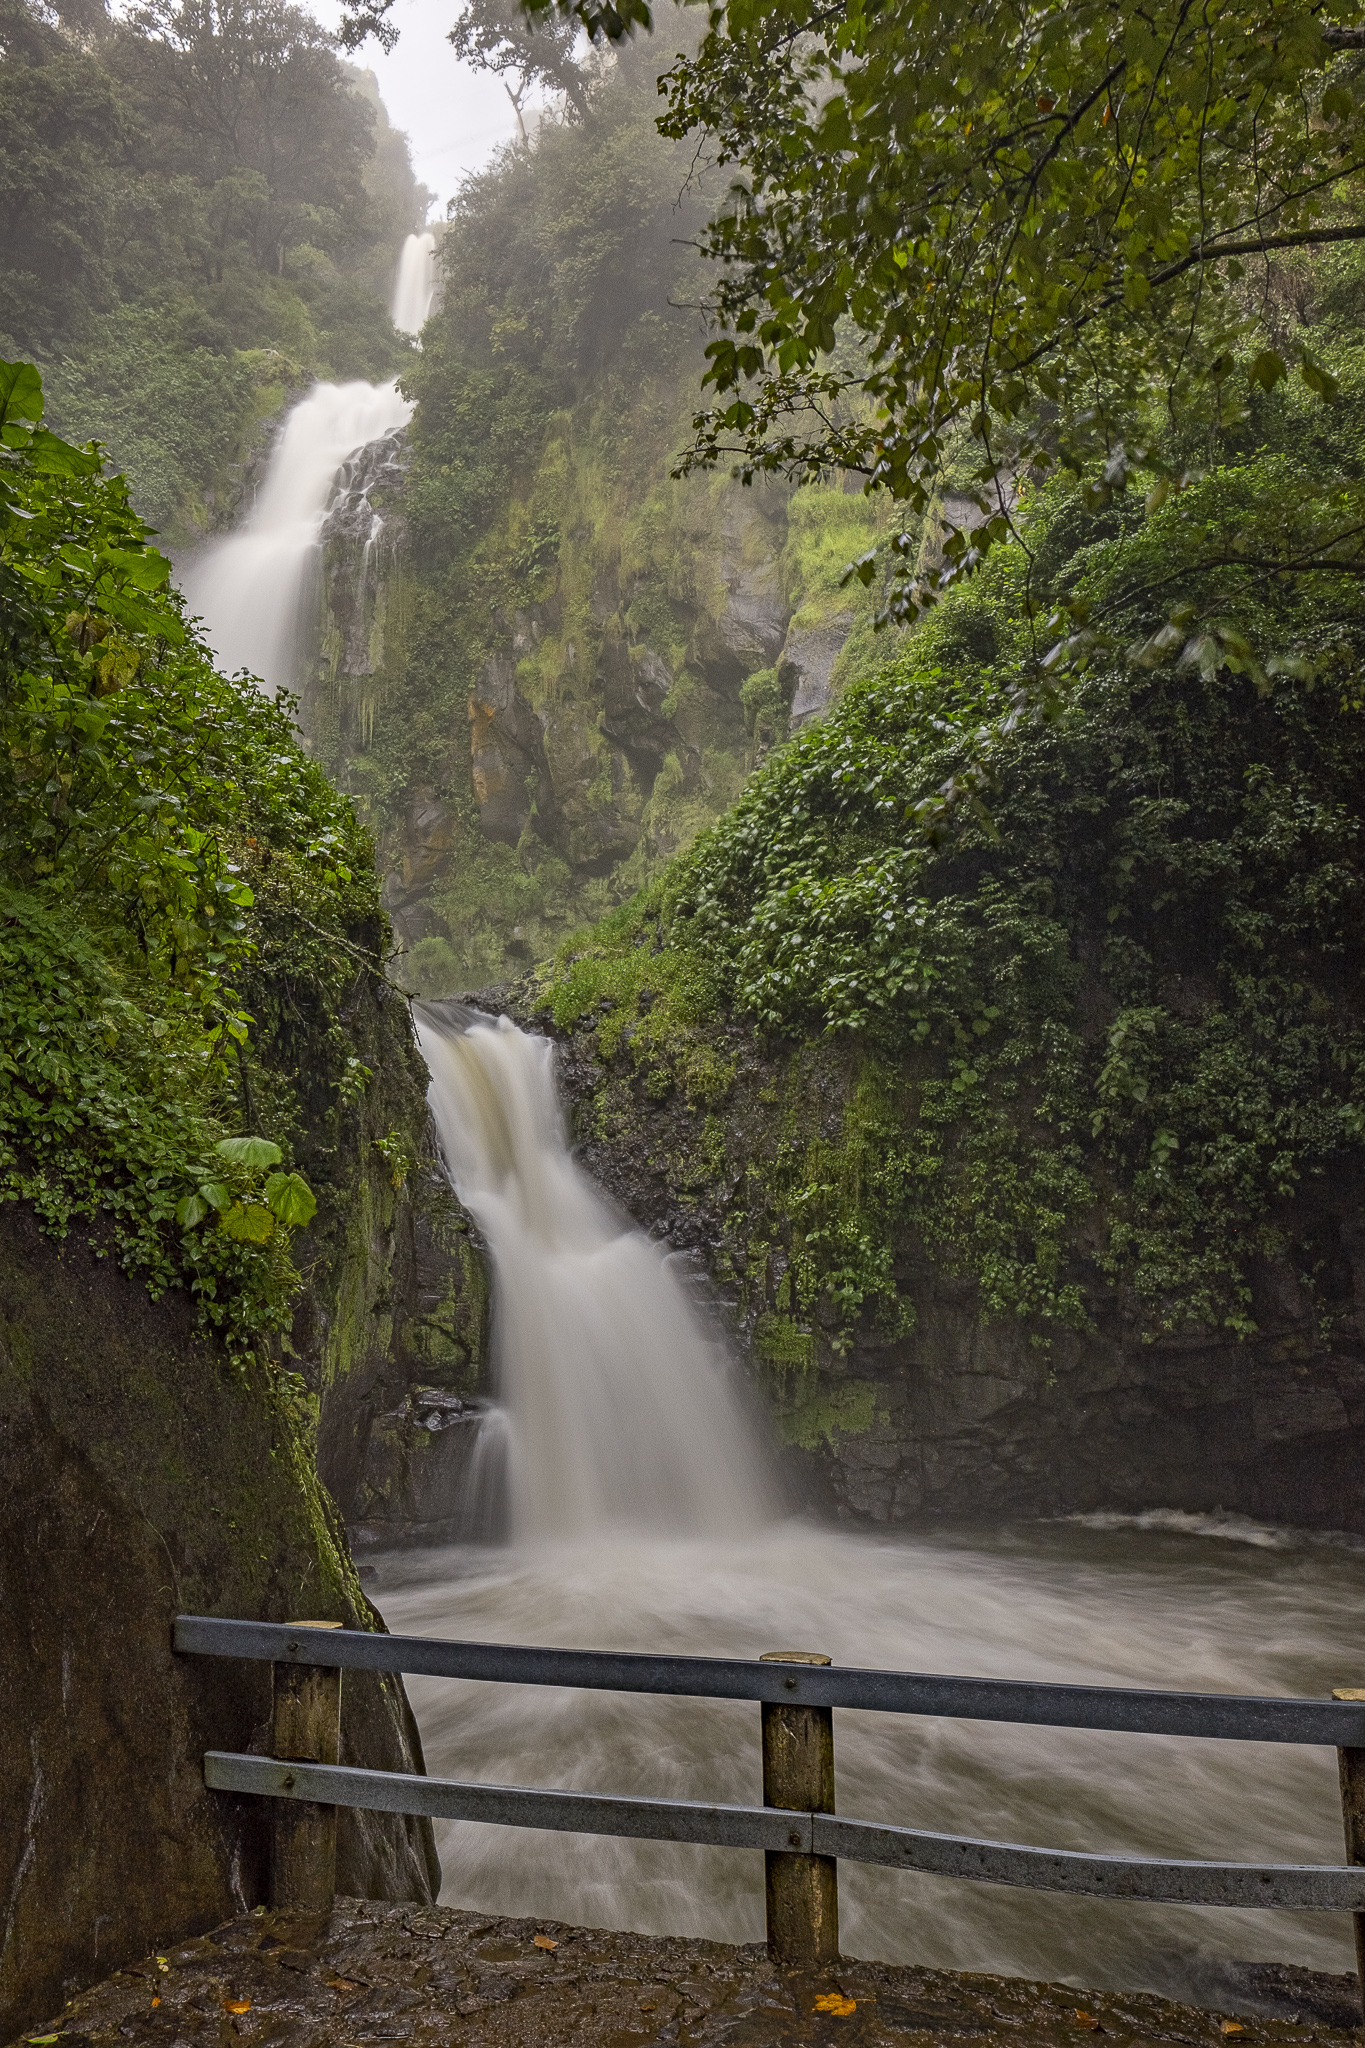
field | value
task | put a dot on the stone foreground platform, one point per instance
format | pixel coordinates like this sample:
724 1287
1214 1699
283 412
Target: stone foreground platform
433 1977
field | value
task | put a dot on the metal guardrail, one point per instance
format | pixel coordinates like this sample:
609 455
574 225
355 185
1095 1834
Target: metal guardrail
1228 1717
796 1827
1149 1878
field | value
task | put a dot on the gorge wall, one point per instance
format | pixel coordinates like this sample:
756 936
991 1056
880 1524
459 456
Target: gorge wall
966 1415
144 1476
542 662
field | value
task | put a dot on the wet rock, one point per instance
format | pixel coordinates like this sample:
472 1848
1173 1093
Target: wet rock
510 771
806 665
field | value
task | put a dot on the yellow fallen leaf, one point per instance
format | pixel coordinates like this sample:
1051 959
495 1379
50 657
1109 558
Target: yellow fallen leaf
1087 2019
162 1964
1232 2027
345 1984
835 2001
41 2040
156 2000
236 2005
544 1941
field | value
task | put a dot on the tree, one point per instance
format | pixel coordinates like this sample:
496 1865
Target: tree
1029 226
249 97
496 36
1004 223
65 141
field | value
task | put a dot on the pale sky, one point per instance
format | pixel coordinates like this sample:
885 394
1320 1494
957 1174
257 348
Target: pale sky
453 117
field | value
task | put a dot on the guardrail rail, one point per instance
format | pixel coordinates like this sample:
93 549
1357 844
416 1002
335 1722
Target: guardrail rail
802 1837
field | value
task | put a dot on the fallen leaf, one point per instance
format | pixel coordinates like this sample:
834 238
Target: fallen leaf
544 1941
346 1984
649 2008
156 2000
41 2040
1232 2027
1087 2019
236 2005
835 2001
163 1965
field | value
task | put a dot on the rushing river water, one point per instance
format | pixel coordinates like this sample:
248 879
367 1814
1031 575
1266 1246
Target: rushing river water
1123 1605
644 1519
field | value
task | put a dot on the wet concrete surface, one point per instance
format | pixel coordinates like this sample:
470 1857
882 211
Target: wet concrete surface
438 1978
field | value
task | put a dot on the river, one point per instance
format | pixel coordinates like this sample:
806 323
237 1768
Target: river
599 1345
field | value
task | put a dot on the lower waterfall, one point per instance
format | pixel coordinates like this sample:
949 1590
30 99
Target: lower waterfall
642 1522
621 1411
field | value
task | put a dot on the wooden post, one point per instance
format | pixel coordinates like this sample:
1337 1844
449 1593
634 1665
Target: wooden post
306 1728
798 1773
1351 1767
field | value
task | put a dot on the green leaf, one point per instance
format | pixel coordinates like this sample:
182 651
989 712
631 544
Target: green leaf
1267 369
249 1223
21 402
291 1198
1318 380
193 1209
255 1153
215 1194
50 455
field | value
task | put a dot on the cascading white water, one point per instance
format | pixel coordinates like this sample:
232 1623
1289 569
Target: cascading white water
633 1488
621 1411
414 284
249 588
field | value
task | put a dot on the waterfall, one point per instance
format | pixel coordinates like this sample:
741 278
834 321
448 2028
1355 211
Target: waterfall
414 285
620 1406
249 588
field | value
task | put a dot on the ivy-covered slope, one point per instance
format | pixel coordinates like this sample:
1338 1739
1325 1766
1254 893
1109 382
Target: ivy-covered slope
1024 1119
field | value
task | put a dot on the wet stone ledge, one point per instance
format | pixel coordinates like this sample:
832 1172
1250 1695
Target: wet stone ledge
437 1978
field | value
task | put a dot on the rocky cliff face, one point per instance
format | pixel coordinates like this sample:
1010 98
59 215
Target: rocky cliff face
601 693
142 1475
962 1417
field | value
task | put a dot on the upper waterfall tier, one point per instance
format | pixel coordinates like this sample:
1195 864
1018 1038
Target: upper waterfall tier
414 284
248 589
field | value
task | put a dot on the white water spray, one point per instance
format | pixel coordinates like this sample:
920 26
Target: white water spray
621 1410
414 285
249 589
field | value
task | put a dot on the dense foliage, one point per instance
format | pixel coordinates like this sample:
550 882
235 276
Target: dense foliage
154 820
1022 232
1108 1020
200 206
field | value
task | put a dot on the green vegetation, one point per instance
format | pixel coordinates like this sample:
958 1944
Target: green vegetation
1011 244
199 211
161 838
559 698
1086 974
